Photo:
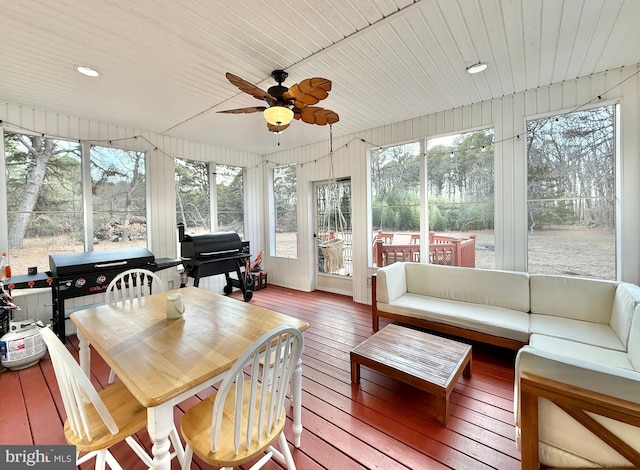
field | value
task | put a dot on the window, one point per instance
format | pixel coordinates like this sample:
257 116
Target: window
193 200
395 202
119 198
230 194
46 205
460 182
459 190
571 194
44 199
285 203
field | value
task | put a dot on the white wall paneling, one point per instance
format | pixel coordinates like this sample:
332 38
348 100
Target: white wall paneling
507 115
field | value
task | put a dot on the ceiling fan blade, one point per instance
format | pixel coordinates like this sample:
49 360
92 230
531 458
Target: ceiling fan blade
308 91
317 115
249 88
252 109
274 128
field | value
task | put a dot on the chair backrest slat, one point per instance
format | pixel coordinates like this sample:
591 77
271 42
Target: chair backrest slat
269 363
132 284
76 388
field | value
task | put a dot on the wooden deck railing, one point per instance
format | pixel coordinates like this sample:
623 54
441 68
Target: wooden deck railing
389 248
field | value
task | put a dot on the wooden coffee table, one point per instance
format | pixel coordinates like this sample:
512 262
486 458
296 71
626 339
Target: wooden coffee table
426 361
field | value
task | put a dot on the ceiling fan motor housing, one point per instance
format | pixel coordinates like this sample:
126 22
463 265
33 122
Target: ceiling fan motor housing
279 76
277 91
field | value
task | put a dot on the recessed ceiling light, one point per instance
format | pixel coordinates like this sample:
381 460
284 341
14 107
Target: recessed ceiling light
476 68
88 71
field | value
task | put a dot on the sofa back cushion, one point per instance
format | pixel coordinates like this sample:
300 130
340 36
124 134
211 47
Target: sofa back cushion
506 289
572 297
624 303
633 346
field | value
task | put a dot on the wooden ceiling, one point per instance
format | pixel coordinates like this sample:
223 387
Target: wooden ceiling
163 62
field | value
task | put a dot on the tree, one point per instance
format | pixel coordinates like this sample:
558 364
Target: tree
286 198
571 164
31 160
119 193
192 193
230 192
395 184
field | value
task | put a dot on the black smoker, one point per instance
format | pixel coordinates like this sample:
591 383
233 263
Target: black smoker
217 253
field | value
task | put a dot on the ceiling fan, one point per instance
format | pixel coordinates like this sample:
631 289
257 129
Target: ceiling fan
285 104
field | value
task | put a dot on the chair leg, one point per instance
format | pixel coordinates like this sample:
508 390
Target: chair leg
101 457
85 458
111 460
264 459
177 444
188 456
112 375
283 455
139 450
284 448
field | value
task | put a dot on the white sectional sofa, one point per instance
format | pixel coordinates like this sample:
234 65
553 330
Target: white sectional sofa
483 305
581 336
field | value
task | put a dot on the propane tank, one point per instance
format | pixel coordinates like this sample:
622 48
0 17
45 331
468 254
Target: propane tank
23 346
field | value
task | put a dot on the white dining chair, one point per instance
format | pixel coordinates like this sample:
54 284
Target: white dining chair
132 284
129 285
97 420
246 416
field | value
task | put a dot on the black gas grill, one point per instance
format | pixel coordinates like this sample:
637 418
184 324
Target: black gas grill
217 253
90 272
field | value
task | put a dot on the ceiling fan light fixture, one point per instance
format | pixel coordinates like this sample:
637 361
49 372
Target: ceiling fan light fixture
278 115
477 68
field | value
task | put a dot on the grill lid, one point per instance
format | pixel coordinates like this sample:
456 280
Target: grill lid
210 245
65 264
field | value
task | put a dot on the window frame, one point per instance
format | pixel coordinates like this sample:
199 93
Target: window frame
273 211
87 229
617 172
88 195
215 198
424 206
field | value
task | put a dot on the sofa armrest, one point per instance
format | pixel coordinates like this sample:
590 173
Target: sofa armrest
578 403
391 282
612 381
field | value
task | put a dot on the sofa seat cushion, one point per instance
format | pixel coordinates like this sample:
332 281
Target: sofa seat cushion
581 351
496 321
596 334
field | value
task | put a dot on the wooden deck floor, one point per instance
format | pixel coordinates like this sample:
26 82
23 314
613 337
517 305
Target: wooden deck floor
380 424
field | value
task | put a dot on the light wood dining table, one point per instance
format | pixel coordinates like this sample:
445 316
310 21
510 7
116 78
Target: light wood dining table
163 362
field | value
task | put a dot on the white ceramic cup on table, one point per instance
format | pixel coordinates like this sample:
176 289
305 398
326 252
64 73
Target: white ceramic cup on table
174 306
